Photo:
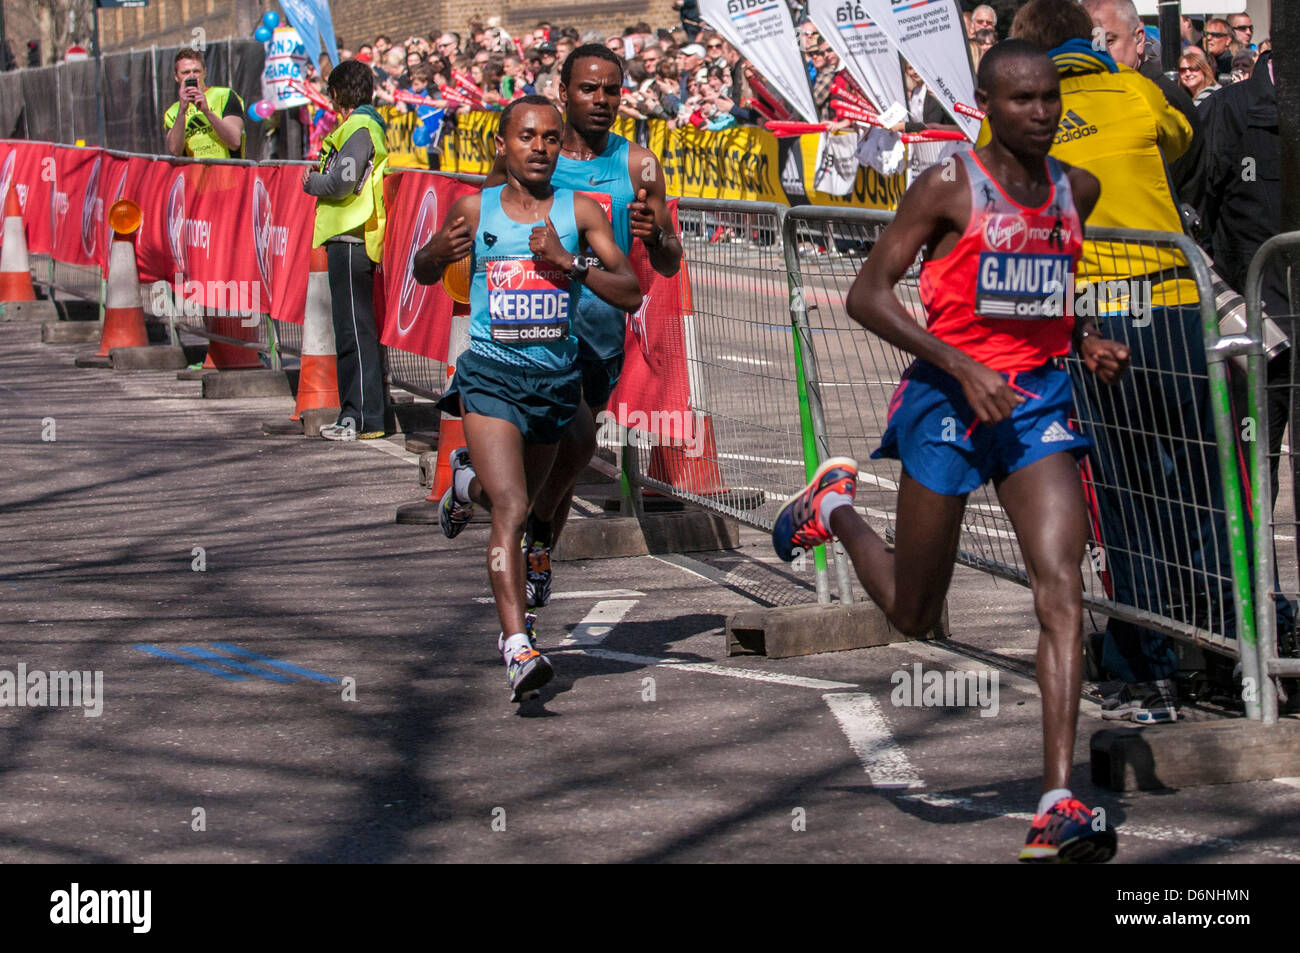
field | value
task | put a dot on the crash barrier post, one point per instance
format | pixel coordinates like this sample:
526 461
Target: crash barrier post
1273 390
1177 534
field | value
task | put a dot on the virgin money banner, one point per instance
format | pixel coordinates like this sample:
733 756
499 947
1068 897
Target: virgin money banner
863 49
763 33
75 205
415 317
931 36
653 393
280 219
22 165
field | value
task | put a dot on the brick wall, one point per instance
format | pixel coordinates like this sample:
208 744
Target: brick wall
166 22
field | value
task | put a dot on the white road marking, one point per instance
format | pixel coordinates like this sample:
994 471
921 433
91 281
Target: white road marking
854 383
1289 782
577 594
383 446
882 482
712 668
758 362
865 726
958 662
748 459
599 622
996 808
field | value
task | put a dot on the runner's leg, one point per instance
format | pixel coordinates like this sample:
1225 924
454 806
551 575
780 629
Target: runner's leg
576 448
509 473
1046 507
910 582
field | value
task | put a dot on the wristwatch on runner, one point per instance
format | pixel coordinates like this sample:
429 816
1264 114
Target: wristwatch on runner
578 270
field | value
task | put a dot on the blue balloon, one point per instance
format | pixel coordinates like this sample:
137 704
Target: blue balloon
421 137
252 112
271 19
262 34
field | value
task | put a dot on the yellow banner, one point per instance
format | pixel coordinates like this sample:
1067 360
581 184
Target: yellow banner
401 153
742 163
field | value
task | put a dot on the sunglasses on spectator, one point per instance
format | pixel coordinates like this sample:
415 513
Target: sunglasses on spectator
1244 29
713 46
811 34
1217 36
1188 69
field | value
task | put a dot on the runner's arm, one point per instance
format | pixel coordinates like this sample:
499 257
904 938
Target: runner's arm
922 220
450 243
617 284
1105 358
648 214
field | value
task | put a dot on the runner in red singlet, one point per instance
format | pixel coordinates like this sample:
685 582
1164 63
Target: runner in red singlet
987 398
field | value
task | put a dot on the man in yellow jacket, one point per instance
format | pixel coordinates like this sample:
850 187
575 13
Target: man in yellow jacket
349 190
1160 498
206 122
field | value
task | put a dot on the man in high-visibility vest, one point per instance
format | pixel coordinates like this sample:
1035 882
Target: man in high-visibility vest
211 118
349 190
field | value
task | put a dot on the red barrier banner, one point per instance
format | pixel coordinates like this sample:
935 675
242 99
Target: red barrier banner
415 317
653 394
281 218
24 167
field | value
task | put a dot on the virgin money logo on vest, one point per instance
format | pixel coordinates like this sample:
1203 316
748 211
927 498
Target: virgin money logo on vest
184 233
269 240
1005 233
412 297
92 210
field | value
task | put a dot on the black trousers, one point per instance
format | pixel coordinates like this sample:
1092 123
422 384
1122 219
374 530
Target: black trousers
356 339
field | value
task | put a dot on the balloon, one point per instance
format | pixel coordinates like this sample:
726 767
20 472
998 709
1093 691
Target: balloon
264 108
262 34
271 19
421 137
252 112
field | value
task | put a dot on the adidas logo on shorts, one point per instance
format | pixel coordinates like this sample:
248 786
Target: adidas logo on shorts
1056 433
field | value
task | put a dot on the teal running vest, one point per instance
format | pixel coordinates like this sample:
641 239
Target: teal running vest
601 327
521 308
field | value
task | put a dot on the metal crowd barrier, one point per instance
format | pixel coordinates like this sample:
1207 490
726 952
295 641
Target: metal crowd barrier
1277 570
786 379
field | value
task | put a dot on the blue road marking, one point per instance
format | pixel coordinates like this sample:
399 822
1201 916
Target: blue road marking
275 663
163 653
239 666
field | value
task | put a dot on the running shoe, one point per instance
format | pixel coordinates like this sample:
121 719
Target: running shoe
1143 703
372 435
526 672
338 432
537 590
1065 835
453 515
530 630
799 525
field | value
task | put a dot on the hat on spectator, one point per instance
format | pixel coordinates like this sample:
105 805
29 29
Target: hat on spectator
693 49
362 57
546 48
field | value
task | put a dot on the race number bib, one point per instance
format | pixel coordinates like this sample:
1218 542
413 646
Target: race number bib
1024 270
528 301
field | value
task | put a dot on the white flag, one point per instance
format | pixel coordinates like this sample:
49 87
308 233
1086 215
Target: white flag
931 36
863 49
763 33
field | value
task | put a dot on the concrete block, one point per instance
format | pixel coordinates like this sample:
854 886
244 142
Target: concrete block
92 360
28 311
316 417
428 466
225 385
70 332
77 309
422 441
160 358
197 374
786 631
603 537
1190 754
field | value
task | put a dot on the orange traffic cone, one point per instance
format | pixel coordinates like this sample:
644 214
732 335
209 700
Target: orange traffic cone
15 270
692 468
318 374
318 378
123 312
451 430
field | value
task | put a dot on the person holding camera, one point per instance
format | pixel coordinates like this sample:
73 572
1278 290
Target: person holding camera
211 118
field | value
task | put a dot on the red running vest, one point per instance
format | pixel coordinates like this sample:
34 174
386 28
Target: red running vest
1000 295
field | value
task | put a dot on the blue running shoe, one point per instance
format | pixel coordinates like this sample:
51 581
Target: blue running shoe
453 515
799 525
1066 835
